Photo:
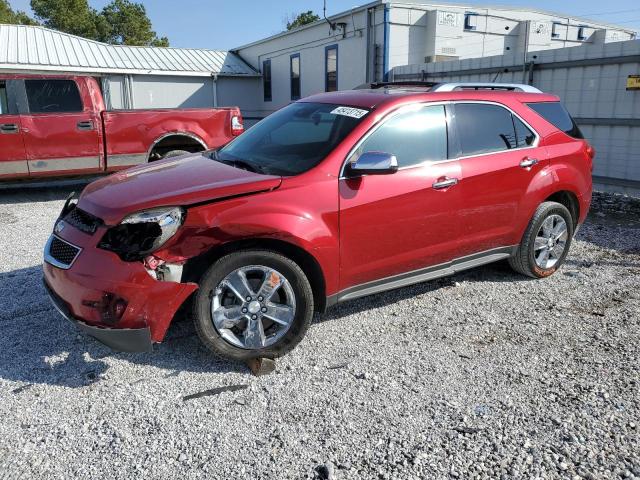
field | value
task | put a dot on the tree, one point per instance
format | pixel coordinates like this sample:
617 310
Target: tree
128 24
71 16
121 22
301 19
7 15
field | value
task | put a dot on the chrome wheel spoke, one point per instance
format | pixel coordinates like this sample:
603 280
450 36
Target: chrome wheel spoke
282 314
547 227
254 334
558 250
559 230
543 257
239 285
227 317
540 242
272 281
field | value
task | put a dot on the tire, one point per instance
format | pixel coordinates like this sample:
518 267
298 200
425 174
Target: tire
227 337
175 153
529 256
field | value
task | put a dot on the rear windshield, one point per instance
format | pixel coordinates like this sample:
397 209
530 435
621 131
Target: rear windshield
556 114
293 139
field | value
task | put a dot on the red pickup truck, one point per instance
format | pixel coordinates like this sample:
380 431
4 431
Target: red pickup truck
59 126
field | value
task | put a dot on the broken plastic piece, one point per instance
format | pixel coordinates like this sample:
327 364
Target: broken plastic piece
261 366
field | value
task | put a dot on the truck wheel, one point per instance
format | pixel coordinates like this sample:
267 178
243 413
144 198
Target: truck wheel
546 241
175 153
251 304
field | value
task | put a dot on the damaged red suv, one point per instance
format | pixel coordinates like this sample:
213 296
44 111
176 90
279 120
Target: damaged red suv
334 197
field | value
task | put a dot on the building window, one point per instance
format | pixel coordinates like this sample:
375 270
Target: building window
581 32
331 68
470 21
555 30
294 71
266 79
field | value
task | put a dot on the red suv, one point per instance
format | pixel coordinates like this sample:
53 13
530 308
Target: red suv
333 197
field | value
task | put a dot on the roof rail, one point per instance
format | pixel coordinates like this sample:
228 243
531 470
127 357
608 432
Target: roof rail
407 83
515 87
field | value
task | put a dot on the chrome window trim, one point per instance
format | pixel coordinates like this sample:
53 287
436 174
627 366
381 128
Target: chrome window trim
449 120
52 261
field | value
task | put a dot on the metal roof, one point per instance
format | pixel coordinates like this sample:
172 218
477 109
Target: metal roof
25 47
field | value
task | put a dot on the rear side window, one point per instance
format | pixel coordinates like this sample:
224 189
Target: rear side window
484 128
46 96
413 137
524 136
557 115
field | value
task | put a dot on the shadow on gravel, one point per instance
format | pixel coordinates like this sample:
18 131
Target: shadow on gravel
38 346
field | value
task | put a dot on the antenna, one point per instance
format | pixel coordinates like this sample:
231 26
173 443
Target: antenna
332 26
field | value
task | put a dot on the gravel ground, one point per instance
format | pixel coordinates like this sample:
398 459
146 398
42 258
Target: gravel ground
483 375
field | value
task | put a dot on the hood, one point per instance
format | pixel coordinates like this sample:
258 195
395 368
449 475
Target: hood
180 181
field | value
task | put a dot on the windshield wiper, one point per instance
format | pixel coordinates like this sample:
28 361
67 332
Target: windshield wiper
242 164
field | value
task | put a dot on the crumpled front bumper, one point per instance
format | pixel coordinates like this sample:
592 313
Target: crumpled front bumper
131 340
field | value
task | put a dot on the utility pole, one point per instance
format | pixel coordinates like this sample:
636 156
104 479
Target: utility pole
526 50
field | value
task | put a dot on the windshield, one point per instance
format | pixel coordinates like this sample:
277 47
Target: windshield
291 140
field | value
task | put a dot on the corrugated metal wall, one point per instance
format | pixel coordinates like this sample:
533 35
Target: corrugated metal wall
590 80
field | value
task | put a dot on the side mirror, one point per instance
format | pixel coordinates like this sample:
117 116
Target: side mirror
373 163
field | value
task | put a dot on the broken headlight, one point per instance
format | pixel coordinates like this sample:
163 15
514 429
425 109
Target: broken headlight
143 232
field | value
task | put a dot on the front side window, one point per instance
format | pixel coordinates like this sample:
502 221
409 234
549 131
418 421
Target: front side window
484 128
4 103
266 80
292 140
331 68
47 96
295 76
414 137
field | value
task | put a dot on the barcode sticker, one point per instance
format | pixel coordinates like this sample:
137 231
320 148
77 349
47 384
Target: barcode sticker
349 112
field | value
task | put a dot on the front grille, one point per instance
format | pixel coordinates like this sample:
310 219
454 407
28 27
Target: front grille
83 221
60 253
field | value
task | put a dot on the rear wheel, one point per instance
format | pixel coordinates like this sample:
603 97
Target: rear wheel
175 153
546 241
253 303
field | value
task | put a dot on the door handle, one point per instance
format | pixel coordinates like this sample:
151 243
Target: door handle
444 183
528 162
85 125
9 128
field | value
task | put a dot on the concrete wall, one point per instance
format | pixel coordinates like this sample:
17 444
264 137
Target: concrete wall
590 80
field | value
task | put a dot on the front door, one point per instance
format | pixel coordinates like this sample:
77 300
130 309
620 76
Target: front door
60 130
403 221
499 158
13 163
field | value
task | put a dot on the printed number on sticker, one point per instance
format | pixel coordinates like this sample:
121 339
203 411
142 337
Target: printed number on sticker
349 112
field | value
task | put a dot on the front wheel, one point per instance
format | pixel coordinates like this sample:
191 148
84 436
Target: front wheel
253 303
546 241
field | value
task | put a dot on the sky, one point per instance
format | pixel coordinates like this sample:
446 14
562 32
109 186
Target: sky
225 24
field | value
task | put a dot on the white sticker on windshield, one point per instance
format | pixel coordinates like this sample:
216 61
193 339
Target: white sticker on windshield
349 112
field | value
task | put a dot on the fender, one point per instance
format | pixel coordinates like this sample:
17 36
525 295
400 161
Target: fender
273 216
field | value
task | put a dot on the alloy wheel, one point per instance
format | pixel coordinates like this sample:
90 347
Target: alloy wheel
253 307
550 242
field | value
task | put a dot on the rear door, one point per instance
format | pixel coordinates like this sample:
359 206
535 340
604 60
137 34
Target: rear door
60 129
499 157
404 221
13 163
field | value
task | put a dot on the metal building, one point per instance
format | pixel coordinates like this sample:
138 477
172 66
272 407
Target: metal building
132 77
364 44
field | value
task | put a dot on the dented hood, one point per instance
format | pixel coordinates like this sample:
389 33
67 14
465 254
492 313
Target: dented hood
180 181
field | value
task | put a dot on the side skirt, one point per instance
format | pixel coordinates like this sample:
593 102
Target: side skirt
421 275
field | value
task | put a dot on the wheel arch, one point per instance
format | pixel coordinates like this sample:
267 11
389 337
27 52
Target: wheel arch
570 200
197 266
174 139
